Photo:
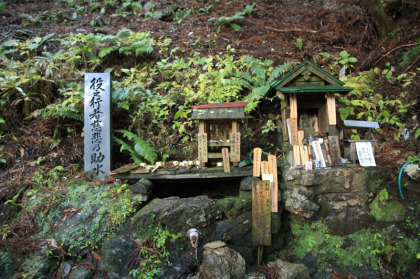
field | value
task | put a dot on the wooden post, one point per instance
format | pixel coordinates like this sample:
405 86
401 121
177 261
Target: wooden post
257 162
332 119
272 167
226 162
261 213
293 106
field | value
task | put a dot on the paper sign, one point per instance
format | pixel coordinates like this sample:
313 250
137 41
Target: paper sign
365 154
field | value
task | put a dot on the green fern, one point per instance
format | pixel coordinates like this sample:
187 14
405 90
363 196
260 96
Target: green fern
141 148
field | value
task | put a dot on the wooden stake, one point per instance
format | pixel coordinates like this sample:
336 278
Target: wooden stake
264 168
272 167
226 162
296 155
257 162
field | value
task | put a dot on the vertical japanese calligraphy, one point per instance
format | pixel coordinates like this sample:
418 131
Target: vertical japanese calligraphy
97 118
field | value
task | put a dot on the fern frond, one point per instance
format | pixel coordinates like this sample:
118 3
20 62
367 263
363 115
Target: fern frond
141 147
278 71
124 33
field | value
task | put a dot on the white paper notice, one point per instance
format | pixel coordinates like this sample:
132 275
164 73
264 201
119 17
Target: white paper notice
365 154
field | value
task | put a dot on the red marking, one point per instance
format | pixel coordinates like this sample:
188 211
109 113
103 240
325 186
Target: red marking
222 105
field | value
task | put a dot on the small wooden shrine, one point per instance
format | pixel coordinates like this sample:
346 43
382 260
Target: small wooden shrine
218 128
308 101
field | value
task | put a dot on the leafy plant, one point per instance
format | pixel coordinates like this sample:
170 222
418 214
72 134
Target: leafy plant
152 256
299 43
141 148
345 59
224 20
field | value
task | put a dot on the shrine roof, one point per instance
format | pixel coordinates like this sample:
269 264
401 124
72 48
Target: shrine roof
219 111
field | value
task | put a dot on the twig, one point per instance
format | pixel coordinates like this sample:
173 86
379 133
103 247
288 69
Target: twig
415 61
291 30
392 50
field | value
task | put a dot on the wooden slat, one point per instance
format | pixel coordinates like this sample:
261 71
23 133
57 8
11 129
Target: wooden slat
226 161
214 155
272 167
301 135
264 168
236 147
257 162
304 154
261 213
294 131
202 147
293 106
332 119
335 150
296 155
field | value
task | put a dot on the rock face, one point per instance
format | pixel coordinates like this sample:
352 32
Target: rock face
221 262
286 270
339 196
228 220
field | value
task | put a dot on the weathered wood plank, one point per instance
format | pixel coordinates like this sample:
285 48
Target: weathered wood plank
257 162
226 161
261 213
272 168
213 155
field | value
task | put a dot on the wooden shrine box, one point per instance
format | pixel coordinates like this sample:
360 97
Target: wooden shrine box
218 127
307 96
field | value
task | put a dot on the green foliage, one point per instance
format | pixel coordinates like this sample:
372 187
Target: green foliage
410 55
299 43
364 249
269 127
366 104
345 59
140 149
224 20
152 257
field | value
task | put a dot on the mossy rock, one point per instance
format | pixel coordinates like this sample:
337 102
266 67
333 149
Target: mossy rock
388 211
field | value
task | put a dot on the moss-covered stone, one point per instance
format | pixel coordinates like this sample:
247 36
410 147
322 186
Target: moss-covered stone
388 211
